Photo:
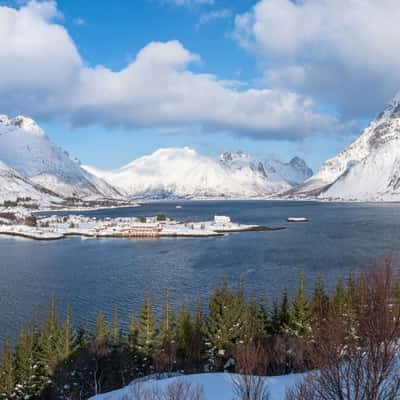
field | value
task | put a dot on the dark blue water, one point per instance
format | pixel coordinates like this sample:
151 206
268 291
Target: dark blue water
90 275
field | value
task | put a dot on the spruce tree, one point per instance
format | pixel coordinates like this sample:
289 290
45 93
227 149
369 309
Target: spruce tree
285 312
147 332
67 342
226 320
7 372
167 326
29 374
115 334
49 339
199 335
184 334
300 312
276 323
132 333
320 301
101 330
340 299
255 323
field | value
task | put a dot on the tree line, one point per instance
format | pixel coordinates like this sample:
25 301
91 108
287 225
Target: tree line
351 330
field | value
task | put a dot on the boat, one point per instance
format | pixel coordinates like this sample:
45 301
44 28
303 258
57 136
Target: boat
178 207
297 219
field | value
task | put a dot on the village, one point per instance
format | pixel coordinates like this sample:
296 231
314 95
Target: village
57 227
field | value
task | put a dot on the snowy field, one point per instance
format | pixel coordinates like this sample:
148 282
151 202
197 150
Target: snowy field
216 386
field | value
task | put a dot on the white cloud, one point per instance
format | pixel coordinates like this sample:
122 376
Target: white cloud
79 21
214 15
342 51
43 75
189 2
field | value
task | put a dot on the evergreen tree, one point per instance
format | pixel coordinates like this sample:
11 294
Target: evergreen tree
225 320
167 326
340 299
30 377
49 339
101 331
184 335
115 329
300 312
147 332
132 333
199 335
7 372
320 301
285 312
67 342
255 323
276 322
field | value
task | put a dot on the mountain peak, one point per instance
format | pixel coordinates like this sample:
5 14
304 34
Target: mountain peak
26 124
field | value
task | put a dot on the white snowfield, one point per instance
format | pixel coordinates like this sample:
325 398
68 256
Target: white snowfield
183 173
216 386
368 169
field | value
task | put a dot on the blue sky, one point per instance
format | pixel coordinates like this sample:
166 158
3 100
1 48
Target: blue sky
110 82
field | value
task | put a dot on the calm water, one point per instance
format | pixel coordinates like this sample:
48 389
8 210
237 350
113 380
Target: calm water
98 274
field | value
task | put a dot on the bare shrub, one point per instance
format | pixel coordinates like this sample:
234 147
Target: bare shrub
251 364
358 359
179 390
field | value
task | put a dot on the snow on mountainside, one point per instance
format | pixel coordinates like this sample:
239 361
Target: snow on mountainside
25 148
183 173
14 186
368 169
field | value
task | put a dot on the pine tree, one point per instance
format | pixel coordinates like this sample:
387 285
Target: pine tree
167 326
300 312
276 323
255 323
184 334
226 320
167 331
49 339
285 312
340 299
132 333
101 330
30 377
7 372
115 329
147 332
320 301
67 342
199 335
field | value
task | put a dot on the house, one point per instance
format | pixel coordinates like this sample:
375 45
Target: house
221 220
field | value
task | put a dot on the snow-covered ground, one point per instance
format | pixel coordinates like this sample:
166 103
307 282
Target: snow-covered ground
58 227
216 386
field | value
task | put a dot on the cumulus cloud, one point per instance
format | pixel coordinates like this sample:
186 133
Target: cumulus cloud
42 74
342 51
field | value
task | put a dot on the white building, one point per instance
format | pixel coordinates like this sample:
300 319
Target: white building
221 219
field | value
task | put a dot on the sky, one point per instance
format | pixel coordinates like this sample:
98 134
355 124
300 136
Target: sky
112 81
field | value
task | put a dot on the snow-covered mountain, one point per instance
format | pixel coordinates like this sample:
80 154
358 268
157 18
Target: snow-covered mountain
28 151
183 173
14 186
368 169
